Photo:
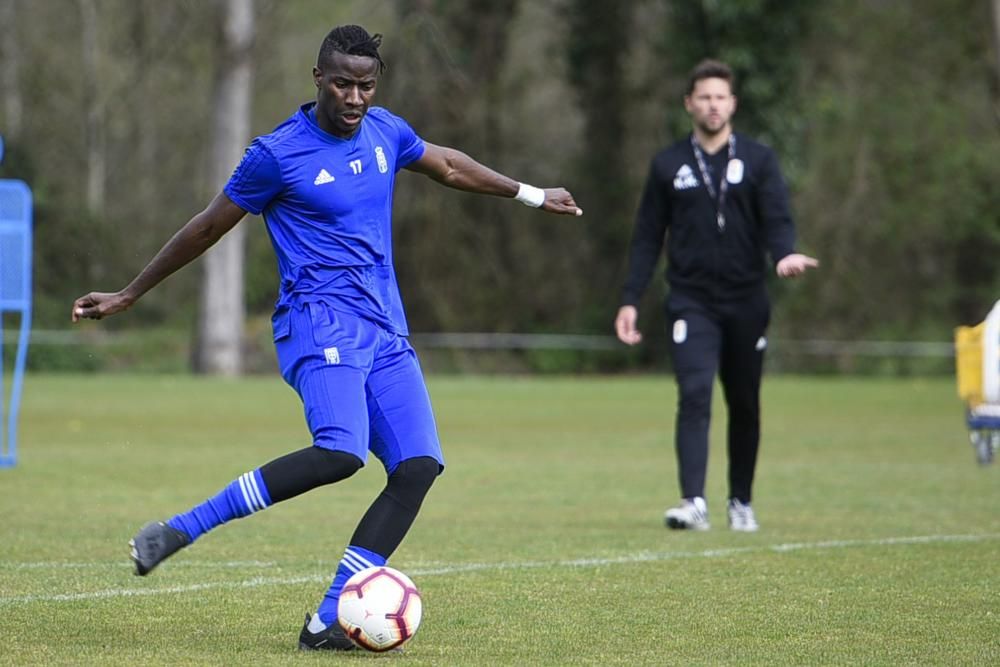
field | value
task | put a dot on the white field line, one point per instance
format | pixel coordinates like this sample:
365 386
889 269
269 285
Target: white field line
642 557
55 565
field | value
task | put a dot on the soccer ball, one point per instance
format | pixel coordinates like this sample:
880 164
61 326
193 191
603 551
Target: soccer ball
379 608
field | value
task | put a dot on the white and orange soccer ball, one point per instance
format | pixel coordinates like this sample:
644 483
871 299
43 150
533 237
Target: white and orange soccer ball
379 608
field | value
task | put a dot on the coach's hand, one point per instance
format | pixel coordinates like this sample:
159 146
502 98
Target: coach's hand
625 325
795 265
98 305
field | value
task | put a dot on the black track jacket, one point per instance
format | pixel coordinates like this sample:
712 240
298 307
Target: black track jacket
701 260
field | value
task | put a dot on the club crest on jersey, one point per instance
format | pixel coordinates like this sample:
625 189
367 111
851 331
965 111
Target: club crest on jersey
383 165
734 171
684 179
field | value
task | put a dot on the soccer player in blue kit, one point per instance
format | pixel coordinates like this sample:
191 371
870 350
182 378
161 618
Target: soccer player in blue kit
323 181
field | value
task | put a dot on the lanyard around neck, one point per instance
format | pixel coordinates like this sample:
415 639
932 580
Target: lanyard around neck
720 199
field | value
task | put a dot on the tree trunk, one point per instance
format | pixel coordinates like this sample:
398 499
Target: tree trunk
597 50
96 162
996 43
220 327
10 61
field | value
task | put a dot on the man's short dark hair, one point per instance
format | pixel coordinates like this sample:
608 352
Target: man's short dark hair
351 40
711 69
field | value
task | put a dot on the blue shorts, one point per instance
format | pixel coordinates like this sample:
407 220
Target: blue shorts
361 386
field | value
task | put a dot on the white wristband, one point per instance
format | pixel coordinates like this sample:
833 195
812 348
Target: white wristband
529 195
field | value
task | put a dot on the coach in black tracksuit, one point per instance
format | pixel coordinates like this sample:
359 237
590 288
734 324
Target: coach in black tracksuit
720 201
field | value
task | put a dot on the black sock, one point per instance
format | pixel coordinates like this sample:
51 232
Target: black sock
388 519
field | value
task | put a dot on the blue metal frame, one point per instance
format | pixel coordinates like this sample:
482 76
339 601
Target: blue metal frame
15 220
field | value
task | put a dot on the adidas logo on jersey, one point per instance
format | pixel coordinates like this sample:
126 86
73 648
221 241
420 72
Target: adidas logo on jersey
323 177
684 179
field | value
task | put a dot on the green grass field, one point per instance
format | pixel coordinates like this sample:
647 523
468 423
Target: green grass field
542 544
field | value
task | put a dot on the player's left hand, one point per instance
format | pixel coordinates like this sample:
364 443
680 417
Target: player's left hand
559 200
98 305
795 265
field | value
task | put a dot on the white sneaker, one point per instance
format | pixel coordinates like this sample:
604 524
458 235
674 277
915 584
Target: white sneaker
691 514
741 517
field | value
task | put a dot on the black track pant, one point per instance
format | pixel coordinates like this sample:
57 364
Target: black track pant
728 338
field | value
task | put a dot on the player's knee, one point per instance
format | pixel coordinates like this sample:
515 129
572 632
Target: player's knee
306 469
412 479
333 466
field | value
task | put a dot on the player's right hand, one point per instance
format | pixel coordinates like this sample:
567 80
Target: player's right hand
98 305
625 325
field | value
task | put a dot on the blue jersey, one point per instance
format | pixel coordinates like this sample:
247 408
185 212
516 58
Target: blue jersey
327 202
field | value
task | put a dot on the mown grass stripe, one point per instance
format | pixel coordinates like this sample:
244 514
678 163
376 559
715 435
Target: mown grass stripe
648 557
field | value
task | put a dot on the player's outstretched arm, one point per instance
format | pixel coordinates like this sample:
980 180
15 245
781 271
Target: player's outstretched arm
194 238
457 170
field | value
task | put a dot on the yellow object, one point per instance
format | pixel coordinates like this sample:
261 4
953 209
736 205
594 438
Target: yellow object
969 363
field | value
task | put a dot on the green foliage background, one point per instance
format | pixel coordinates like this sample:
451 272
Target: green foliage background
885 116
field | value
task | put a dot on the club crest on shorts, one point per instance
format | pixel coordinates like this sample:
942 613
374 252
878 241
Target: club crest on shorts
761 344
332 355
680 331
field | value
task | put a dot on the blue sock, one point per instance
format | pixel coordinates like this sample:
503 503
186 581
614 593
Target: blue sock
355 559
244 496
